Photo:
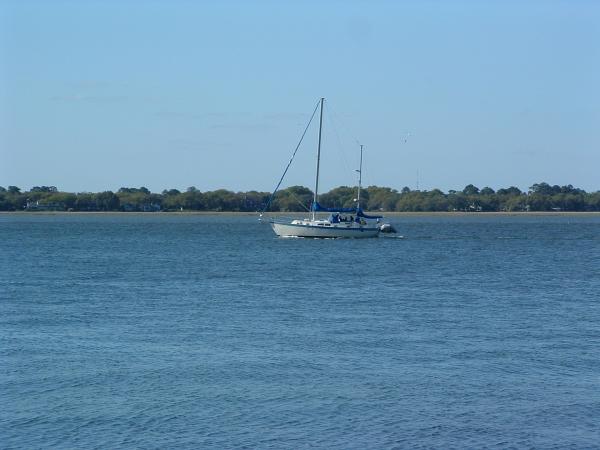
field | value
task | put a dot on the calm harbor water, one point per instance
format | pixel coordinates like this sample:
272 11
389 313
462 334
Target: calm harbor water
161 331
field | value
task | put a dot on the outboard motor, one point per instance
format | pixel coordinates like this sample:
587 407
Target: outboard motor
387 228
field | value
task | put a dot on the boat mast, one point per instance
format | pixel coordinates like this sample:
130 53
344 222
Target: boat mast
316 197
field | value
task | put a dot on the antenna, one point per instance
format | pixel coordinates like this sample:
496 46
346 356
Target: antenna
417 179
359 178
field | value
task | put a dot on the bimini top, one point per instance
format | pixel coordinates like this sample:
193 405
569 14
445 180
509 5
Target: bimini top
316 207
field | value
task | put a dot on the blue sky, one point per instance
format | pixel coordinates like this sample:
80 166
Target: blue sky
170 94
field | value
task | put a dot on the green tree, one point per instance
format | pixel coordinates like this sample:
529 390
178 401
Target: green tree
192 199
107 201
382 198
85 202
222 200
44 189
592 201
65 198
457 201
542 189
294 198
511 191
514 203
470 190
410 201
435 200
340 197
254 201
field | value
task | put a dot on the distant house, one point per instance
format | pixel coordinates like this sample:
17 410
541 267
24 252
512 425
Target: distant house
50 206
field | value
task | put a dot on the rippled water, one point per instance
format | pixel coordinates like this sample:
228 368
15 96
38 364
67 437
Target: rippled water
157 331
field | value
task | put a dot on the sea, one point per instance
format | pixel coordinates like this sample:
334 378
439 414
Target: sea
207 331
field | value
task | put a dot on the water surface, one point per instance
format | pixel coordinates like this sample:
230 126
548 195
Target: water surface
154 331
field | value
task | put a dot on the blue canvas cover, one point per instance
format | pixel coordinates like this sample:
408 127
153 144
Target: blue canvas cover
317 207
359 212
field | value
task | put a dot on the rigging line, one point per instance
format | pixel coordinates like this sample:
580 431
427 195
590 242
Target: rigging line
346 129
299 201
340 145
350 134
291 159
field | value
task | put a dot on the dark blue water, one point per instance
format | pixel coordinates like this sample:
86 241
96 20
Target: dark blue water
161 331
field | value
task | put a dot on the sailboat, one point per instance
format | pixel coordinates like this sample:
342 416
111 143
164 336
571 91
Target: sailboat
341 222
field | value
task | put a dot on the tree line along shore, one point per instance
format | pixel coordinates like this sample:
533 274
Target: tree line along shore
539 197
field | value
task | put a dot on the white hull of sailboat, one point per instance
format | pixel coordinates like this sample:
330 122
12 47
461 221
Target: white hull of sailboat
317 231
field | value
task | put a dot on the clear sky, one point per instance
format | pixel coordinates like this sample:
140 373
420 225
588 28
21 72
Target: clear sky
170 94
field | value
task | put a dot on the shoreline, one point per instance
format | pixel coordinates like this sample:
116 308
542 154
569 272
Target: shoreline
275 214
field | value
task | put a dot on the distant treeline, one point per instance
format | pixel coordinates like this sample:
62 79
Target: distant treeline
539 197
